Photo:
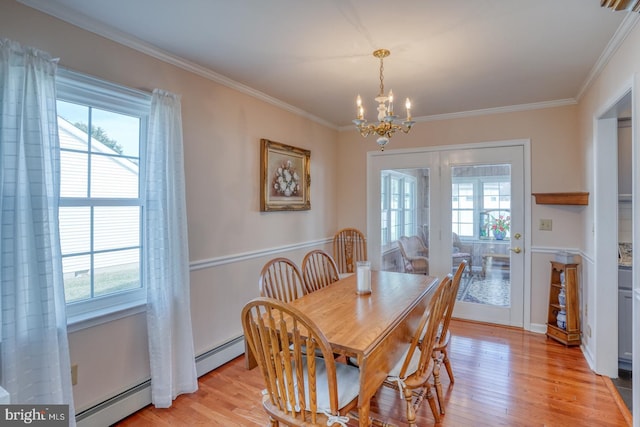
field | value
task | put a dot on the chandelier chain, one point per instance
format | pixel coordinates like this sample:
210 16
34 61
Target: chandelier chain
381 77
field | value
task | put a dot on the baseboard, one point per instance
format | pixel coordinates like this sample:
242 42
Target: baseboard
128 402
116 408
625 365
220 355
538 328
588 357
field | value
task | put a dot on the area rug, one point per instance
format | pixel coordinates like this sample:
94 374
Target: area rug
486 291
464 286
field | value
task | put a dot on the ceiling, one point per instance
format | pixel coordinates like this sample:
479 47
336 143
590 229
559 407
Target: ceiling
314 57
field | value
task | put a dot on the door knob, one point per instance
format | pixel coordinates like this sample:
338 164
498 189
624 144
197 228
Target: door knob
516 249
517 236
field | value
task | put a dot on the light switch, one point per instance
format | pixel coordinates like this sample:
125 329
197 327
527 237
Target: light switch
546 224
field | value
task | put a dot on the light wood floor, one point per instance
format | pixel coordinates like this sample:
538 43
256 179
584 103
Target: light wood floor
504 377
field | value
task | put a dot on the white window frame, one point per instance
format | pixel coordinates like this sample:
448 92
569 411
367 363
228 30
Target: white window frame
478 201
385 212
455 212
82 89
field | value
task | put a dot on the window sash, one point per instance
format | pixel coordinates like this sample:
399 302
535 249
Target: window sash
481 202
98 94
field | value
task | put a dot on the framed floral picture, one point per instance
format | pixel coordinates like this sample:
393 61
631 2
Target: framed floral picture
285 179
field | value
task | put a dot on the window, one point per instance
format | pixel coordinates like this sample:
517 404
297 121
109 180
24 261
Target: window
398 210
102 130
463 208
479 195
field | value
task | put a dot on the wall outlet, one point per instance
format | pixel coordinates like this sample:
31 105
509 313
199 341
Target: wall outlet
588 331
546 224
74 374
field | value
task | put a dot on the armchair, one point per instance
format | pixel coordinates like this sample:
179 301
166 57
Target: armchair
414 255
461 252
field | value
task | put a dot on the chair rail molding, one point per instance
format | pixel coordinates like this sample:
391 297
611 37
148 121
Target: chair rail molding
230 259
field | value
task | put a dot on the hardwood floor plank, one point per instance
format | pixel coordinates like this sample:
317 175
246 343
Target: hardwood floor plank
504 377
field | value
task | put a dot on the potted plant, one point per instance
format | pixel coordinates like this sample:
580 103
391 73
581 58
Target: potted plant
500 226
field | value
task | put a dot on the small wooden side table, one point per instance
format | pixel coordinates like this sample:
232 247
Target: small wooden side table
502 261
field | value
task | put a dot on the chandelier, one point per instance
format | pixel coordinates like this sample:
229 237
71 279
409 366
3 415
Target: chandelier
387 122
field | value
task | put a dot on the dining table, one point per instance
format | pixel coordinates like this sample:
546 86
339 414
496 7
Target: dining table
373 328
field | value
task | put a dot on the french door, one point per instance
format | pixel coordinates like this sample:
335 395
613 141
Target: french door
461 204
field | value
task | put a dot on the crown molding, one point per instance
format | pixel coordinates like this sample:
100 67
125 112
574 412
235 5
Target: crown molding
488 111
499 110
93 26
616 41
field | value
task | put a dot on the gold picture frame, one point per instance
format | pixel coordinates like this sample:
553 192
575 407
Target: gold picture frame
285 179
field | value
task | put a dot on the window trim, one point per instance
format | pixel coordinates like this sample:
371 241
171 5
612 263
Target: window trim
83 89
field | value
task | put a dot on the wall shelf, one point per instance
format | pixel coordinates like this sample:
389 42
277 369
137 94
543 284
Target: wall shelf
575 198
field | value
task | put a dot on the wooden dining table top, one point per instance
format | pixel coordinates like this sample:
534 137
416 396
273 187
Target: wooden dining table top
355 324
374 328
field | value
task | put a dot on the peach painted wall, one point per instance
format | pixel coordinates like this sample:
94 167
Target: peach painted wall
227 232
554 143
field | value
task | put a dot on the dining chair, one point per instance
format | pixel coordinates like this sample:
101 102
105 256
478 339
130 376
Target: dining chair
440 354
318 270
301 388
349 246
281 279
412 373
414 255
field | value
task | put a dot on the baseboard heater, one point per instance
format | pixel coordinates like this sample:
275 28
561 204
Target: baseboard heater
137 397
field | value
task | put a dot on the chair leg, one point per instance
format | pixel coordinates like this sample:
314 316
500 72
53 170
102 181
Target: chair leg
432 403
273 422
438 386
411 413
447 365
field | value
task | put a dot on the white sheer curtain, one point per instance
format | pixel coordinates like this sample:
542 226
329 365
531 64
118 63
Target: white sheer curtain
166 271
35 350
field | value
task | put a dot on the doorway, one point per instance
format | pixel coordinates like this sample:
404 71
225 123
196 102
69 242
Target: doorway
608 193
430 208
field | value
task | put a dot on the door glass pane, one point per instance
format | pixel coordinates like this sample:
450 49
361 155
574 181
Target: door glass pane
481 232
404 215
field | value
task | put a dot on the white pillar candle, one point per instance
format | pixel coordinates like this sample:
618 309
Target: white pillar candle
363 277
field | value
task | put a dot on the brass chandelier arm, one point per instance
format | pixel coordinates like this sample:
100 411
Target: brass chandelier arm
384 129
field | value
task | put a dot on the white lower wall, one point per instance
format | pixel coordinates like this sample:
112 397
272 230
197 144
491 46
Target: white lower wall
136 398
117 361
